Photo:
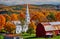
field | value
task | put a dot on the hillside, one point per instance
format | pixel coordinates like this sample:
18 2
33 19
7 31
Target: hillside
45 10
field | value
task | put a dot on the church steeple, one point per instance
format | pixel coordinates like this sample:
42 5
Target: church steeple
27 15
27 20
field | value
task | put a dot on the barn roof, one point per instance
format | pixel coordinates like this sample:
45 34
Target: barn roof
50 23
49 26
54 23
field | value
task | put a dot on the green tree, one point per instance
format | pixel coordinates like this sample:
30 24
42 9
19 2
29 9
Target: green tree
51 17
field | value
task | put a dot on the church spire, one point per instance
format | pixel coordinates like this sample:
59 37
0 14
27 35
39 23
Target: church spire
27 15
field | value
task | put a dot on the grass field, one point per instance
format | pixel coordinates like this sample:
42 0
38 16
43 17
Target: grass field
33 36
27 36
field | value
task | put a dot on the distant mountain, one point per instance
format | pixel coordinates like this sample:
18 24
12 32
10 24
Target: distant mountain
47 5
42 5
2 5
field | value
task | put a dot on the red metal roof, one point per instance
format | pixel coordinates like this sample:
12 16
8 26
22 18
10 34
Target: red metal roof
49 26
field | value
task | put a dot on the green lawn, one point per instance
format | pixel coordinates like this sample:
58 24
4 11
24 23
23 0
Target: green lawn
27 36
1 36
32 36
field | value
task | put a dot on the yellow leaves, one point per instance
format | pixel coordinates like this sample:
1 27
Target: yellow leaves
42 18
32 24
38 16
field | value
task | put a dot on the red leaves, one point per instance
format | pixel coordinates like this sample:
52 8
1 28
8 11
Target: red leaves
22 15
58 16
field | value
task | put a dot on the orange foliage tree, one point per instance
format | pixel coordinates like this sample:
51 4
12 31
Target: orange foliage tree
9 27
14 17
39 16
32 24
22 15
2 21
8 18
57 16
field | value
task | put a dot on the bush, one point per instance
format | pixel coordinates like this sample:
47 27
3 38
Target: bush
30 30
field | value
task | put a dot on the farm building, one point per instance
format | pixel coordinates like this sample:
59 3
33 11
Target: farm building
48 29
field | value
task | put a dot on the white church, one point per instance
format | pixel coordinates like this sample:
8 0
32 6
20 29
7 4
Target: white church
19 28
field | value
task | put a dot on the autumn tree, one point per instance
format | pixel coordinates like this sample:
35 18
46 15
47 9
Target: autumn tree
10 27
14 17
8 18
39 16
2 22
31 28
32 25
57 16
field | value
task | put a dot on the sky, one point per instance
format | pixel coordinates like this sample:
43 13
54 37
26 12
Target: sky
16 2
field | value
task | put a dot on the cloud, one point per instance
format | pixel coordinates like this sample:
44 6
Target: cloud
15 2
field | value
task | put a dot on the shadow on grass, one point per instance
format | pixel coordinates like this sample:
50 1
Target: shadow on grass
34 38
37 37
30 37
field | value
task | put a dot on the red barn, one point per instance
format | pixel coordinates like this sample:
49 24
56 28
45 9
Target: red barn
57 31
47 29
56 25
